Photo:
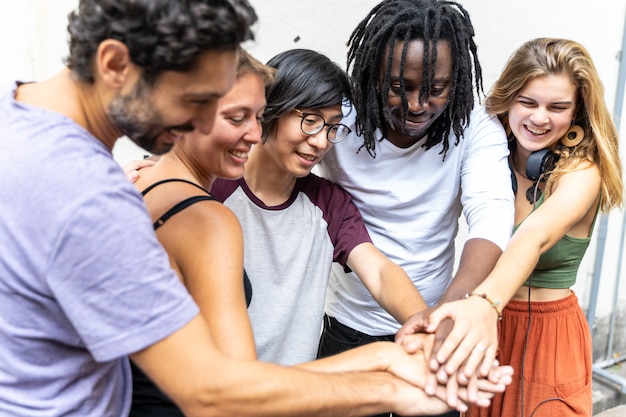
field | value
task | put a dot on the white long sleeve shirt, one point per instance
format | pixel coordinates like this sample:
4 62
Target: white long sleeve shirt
411 200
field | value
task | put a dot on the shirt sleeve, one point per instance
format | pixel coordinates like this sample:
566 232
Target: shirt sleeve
487 195
345 224
112 277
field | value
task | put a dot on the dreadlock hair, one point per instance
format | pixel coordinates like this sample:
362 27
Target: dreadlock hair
370 51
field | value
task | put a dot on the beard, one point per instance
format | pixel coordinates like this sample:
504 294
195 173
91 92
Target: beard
135 116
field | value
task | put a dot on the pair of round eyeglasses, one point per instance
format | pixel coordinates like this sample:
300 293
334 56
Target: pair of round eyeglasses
312 124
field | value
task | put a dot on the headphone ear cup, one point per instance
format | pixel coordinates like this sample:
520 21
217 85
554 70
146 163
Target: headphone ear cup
539 162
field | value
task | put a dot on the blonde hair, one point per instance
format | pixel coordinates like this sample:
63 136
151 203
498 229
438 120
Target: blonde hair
248 64
550 56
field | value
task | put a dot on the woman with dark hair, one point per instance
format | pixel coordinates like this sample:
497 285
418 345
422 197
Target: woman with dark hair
297 224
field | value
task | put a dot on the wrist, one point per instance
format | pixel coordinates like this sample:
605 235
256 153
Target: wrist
495 304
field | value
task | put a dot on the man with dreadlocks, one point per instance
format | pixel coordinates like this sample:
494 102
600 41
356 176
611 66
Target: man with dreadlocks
419 155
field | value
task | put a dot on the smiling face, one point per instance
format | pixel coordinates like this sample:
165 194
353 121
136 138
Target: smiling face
404 132
154 117
224 151
294 152
542 112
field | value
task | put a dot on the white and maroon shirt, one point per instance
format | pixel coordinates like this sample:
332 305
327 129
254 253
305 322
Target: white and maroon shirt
288 253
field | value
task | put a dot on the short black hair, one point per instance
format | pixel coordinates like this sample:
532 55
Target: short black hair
370 47
306 79
161 35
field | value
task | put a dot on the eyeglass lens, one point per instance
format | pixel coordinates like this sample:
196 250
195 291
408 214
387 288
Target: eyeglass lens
313 123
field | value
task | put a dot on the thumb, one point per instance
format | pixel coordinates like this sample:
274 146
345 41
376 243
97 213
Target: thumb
437 316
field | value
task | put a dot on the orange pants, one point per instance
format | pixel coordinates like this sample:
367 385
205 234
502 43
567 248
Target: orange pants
555 369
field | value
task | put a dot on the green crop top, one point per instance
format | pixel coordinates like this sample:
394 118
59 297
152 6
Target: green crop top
558 267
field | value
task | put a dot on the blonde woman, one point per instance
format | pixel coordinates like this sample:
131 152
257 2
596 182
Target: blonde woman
566 167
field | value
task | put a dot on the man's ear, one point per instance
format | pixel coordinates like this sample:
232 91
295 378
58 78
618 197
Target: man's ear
113 64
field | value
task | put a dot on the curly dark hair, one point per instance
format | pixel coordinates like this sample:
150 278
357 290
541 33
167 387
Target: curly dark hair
161 35
307 79
370 44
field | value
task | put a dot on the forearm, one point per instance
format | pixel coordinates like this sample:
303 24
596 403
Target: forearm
189 368
511 271
478 258
398 295
262 389
388 283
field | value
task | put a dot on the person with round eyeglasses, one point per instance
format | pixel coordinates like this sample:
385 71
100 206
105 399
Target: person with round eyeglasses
313 123
295 223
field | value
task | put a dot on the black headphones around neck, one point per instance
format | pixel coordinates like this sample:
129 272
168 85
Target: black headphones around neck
539 162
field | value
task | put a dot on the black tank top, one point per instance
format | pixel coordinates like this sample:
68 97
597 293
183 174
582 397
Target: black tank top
148 399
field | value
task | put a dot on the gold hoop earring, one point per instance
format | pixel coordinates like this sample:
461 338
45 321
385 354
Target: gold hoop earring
573 136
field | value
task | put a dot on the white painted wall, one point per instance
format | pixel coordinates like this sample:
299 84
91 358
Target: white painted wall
33 43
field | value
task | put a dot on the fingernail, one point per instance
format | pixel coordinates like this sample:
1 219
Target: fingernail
462 378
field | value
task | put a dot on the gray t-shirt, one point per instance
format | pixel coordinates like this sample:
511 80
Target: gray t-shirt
289 250
83 280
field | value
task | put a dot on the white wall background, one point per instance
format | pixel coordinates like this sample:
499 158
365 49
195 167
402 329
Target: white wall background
33 41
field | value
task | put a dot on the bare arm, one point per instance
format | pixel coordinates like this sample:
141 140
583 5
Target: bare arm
203 382
477 260
390 286
569 210
205 242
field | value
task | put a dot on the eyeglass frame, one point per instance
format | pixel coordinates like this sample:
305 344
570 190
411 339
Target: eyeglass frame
304 115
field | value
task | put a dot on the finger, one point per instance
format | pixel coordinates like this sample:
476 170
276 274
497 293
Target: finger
409 328
484 399
472 389
501 375
452 395
446 341
437 316
442 376
430 383
488 360
132 175
441 394
144 163
411 343
499 378
462 353
476 357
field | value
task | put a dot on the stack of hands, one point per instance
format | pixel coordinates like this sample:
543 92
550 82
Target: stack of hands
459 341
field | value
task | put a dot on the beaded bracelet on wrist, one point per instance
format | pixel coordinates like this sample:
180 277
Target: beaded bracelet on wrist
494 304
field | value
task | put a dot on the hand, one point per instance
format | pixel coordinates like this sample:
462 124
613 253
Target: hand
472 341
411 369
435 375
132 169
420 403
420 322
412 401
417 323
458 388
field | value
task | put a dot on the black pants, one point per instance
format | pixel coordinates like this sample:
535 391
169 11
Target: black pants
337 337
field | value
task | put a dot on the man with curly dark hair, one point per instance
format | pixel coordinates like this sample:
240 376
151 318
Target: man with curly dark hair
84 283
